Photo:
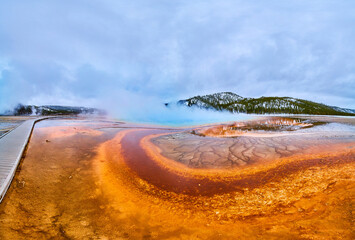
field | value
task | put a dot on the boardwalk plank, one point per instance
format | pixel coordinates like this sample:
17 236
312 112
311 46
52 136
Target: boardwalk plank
12 146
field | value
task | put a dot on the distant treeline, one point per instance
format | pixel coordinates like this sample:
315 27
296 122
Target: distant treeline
21 110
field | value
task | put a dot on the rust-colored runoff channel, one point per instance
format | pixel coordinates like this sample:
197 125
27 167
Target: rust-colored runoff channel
138 161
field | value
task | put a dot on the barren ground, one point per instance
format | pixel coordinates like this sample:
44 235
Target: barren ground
98 179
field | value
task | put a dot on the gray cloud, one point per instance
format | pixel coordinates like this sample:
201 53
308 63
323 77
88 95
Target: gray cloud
111 53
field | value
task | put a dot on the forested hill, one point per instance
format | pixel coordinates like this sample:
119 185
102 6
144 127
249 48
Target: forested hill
228 101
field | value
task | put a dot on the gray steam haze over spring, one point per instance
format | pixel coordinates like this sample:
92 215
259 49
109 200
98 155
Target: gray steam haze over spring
130 57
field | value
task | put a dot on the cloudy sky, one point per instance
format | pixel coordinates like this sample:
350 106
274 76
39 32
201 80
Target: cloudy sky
126 54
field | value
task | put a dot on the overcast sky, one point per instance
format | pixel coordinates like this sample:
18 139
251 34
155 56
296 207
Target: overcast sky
121 54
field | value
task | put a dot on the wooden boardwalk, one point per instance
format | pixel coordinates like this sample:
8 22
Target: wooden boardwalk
12 146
